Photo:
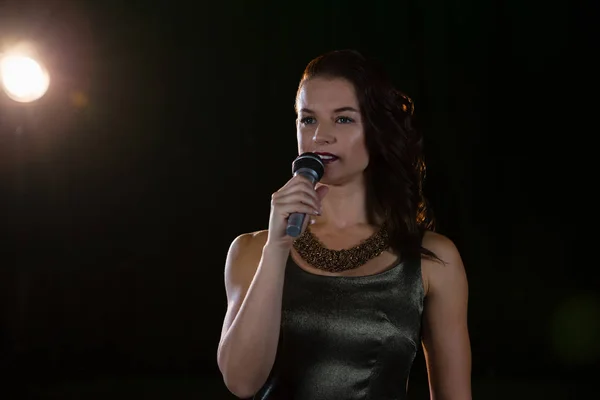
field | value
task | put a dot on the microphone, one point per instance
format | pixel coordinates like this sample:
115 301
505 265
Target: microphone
310 166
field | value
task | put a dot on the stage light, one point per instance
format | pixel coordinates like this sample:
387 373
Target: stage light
23 78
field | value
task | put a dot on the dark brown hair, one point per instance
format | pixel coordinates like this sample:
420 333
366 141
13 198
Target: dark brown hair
396 169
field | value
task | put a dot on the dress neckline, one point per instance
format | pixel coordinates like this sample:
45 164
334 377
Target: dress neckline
395 265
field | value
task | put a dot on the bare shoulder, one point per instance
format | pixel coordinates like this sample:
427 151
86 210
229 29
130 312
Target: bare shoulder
241 264
441 246
447 273
244 253
247 242
242 261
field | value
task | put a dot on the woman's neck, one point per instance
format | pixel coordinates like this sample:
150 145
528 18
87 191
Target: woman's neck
344 206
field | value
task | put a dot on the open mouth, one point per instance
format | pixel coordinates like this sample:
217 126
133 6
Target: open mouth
327 158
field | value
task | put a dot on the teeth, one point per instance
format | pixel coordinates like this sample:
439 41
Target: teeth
327 157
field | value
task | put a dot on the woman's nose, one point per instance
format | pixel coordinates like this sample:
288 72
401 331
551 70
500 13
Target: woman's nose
323 134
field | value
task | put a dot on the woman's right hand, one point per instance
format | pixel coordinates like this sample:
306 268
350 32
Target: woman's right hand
297 196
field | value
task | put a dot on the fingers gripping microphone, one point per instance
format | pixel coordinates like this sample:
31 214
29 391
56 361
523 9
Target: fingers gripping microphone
310 166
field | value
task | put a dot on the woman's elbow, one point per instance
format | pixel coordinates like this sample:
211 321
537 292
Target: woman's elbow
239 381
239 389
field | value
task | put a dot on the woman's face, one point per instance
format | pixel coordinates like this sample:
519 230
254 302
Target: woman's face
329 124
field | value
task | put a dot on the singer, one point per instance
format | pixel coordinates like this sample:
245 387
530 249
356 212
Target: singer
338 311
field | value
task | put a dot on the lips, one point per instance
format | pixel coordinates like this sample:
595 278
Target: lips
327 158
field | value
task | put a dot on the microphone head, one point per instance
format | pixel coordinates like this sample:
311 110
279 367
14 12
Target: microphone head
309 163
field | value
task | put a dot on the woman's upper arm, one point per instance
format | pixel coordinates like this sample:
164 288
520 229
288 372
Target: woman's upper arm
240 266
446 341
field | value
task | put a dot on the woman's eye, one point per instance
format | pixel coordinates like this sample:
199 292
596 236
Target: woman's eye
307 120
344 120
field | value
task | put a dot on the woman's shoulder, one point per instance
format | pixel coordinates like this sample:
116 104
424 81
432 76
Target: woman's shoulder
448 266
248 244
251 238
243 258
440 245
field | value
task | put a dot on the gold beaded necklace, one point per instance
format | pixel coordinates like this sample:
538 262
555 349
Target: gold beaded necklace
313 252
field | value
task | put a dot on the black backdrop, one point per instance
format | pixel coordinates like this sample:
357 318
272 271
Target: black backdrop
168 126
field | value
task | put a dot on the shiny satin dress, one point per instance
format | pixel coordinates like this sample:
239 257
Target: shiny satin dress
347 338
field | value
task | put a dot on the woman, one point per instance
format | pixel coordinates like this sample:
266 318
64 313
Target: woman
338 312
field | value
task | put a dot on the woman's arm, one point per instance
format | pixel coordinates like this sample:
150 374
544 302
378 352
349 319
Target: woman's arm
254 275
445 334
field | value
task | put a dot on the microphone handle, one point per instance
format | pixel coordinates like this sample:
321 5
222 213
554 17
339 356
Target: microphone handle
296 220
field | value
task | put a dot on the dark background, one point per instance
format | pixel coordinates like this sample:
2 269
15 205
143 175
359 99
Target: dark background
169 124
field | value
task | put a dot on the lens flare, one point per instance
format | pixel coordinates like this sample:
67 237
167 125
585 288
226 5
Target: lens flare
23 78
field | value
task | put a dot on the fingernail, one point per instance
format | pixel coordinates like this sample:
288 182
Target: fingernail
312 221
317 212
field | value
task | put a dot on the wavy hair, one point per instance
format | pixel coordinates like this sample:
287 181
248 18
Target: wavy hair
396 171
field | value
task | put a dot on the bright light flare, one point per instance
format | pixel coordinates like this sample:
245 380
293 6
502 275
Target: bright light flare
23 79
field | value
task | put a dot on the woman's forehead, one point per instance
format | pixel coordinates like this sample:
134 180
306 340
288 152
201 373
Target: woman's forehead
321 94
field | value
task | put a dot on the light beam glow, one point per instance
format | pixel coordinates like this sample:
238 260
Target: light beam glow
23 78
